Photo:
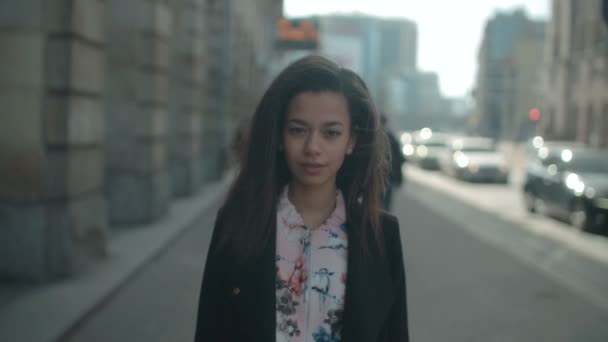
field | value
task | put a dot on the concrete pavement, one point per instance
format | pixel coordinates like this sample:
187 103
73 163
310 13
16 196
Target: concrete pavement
46 312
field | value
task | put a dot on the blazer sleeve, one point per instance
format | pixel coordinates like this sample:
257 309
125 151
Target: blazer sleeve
398 319
210 316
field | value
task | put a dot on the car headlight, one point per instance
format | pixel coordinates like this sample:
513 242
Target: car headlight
461 160
422 151
572 180
574 183
406 138
579 188
408 150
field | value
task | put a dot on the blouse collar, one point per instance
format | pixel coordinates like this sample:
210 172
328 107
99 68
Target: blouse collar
288 213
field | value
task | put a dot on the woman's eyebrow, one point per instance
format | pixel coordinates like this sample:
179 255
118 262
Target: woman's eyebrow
297 121
304 123
333 123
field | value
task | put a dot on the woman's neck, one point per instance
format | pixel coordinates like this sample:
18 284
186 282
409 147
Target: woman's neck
314 204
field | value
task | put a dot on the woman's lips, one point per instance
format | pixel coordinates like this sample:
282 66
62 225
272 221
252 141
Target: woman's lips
312 168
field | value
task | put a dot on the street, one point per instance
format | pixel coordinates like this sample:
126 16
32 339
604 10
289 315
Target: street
125 124
462 285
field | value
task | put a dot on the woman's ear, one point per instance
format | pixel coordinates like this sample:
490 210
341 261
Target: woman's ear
351 145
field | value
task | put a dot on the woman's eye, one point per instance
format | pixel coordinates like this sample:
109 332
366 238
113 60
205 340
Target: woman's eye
333 133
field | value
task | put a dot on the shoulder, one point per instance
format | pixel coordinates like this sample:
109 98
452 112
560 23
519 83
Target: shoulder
390 233
388 223
219 234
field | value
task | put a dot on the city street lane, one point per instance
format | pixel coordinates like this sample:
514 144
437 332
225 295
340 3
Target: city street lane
464 288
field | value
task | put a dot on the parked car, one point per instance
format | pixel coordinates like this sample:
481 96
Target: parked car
408 145
569 183
475 159
534 145
429 149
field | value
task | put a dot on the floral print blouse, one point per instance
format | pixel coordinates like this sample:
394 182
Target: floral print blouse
311 274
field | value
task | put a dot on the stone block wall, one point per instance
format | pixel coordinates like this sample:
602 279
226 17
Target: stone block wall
109 108
187 76
217 66
52 209
137 93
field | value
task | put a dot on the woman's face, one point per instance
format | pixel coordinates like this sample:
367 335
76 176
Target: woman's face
317 137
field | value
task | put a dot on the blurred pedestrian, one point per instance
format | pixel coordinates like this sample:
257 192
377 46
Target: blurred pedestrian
301 249
396 160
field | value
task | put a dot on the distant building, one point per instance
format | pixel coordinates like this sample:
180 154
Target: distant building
576 75
415 101
430 101
345 39
495 97
522 90
373 47
398 44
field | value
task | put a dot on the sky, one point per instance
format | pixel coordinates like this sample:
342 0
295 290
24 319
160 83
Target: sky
449 32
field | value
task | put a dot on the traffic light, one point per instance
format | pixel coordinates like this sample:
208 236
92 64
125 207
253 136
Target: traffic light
534 114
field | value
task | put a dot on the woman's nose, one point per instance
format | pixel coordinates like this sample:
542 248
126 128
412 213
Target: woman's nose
313 143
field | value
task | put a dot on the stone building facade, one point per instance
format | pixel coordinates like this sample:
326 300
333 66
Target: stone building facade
112 108
576 76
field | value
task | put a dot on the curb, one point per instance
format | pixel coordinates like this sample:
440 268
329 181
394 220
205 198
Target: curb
49 312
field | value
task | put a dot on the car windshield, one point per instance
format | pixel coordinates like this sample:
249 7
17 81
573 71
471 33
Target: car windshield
596 163
553 160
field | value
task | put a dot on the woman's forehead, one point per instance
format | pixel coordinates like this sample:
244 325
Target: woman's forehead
319 107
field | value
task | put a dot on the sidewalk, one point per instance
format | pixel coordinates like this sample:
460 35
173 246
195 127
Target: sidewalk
45 313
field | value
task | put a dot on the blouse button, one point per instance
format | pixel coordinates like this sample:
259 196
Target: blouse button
236 291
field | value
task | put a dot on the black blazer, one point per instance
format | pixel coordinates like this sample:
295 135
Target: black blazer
237 302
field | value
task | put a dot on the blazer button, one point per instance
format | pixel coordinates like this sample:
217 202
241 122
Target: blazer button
236 291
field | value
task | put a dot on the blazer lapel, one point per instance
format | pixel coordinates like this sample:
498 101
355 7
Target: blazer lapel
256 297
369 293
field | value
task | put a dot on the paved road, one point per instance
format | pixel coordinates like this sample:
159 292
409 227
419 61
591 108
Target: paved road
461 288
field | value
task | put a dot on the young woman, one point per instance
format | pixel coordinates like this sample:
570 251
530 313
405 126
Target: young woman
301 250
